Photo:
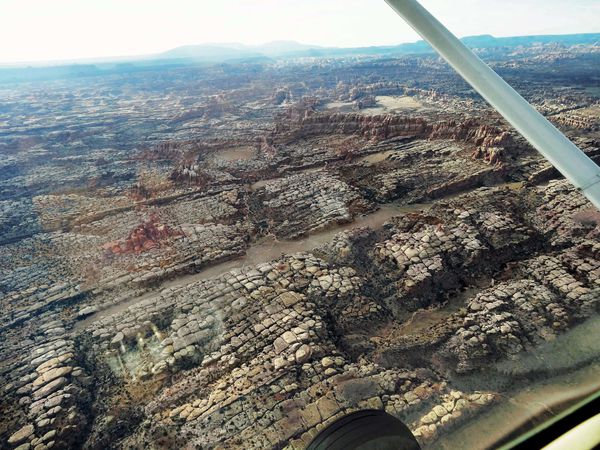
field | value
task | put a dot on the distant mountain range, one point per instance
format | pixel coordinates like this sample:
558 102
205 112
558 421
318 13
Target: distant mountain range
236 53
291 49
225 51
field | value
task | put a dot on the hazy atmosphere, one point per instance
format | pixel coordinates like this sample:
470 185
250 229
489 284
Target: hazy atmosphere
279 225
34 30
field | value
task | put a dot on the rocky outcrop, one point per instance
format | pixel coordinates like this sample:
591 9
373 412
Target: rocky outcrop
565 215
144 237
52 390
577 120
374 127
304 203
489 141
268 355
281 96
260 348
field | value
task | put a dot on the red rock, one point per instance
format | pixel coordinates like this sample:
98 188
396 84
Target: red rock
144 237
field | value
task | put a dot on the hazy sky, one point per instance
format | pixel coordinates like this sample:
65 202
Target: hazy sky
66 29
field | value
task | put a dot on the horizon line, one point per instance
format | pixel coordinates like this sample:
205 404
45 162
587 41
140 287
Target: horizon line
129 57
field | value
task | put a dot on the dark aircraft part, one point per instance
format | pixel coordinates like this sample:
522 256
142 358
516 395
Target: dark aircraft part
365 430
552 430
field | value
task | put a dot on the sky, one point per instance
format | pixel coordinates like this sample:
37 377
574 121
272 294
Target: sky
43 30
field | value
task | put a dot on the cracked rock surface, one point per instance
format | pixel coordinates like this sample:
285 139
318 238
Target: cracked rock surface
270 246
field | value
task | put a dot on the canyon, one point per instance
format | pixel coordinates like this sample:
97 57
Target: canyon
236 255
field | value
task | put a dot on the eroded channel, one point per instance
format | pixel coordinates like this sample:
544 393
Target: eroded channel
264 250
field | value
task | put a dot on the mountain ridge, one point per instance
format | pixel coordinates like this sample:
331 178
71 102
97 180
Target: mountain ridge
220 53
285 49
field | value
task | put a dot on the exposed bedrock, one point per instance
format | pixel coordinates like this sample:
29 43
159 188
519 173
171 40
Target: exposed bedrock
267 355
236 255
262 369
50 391
304 203
488 141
